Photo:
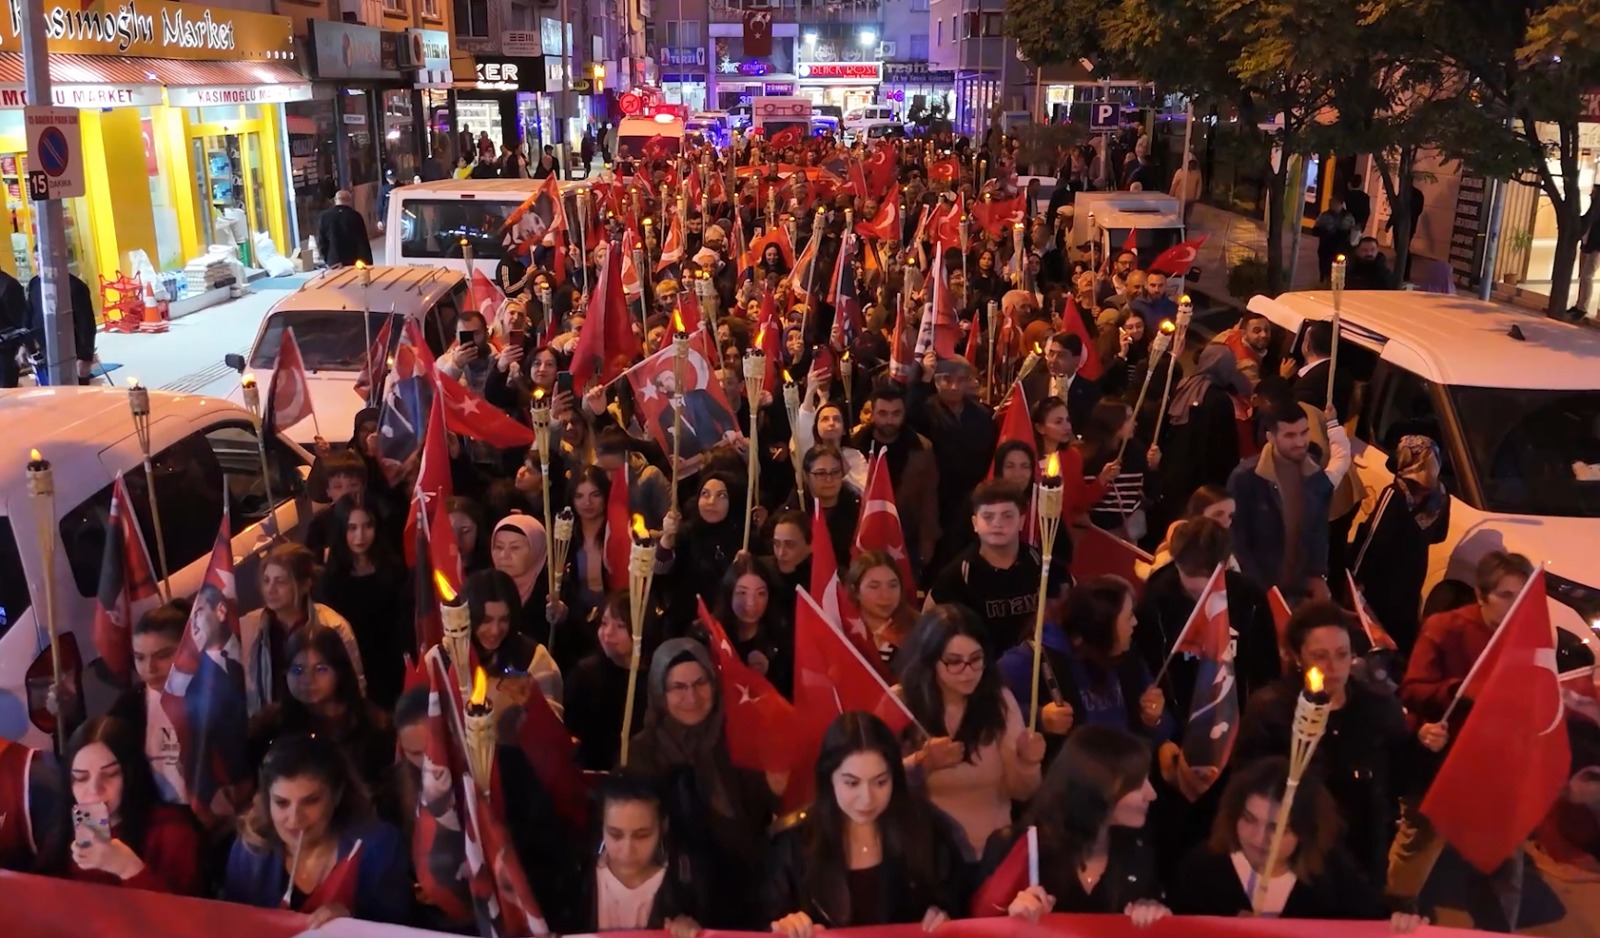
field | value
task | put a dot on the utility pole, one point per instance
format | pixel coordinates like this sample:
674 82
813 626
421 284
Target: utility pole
563 93
61 354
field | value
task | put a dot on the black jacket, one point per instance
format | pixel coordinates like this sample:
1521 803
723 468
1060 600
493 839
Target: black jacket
795 884
1207 884
1391 562
83 326
1203 451
1164 609
1129 877
342 236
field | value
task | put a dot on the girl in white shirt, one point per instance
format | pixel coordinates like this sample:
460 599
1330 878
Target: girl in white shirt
638 881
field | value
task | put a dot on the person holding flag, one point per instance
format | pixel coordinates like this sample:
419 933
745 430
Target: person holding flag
866 825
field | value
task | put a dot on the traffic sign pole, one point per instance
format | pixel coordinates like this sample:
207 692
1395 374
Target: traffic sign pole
61 354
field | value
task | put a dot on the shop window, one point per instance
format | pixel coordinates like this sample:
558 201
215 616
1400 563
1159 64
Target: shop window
14 597
361 158
169 242
399 136
919 48
472 18
313 153
189 484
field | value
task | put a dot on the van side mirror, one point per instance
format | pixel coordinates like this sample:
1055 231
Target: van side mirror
1193 276
235 361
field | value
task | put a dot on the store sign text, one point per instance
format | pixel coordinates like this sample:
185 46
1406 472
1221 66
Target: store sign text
208 96
127 26
88 96
504 76
841 71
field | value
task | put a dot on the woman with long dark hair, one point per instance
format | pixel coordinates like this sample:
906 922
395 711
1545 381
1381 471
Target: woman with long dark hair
823 421
493 606
308 816
366 583
980 756
143 843
873 584
1312 877
325 699
723 811
1109 438
584 581
156 637
638 878
869 851
1090 813
466 520
761 634
597 689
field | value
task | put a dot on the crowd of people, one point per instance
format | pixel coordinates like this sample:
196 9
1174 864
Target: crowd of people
949 366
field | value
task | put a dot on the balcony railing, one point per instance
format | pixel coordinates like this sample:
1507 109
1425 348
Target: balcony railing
803 11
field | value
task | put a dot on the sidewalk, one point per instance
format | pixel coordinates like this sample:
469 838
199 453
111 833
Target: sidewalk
1234 238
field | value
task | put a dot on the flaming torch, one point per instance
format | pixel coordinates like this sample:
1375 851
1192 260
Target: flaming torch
466 255
583 240
755 376
1310 722
457 621
539 412
560 544
641 574
680 358
1158 347
252 403
1049 500
139 406
1185 316
791 405
481 737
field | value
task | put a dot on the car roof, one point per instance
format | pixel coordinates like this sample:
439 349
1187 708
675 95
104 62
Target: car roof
60 419
403 289
508 187
1455 340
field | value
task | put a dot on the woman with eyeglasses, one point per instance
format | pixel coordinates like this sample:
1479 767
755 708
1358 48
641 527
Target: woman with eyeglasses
143 843
1094 853
760 632
308 816
823 467
722 811
366 583
1313 876
869 851
979 756
1367 742
639 878
323 698
822 421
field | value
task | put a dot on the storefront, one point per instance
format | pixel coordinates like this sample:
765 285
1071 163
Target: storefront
198 91
503 101
845 85
908 85
359 98
683 77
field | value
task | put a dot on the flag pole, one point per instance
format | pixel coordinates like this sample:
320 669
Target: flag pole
1049 500
1333 337
1471 672
755 375
680 356
1185 316
641 573
1158 348
252 402
42 493
139 407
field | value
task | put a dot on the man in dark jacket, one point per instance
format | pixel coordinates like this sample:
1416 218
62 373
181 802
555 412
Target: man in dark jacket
963 433
912 466
83 328
14 328
1281 530
1063 355
342 233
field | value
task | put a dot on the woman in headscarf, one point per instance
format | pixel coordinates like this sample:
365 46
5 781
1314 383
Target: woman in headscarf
721 810
1201 442
1412 514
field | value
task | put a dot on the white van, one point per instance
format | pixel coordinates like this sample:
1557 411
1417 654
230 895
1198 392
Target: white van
326 316
1514 403
203 450
635 133
861 122
1107 217
427 221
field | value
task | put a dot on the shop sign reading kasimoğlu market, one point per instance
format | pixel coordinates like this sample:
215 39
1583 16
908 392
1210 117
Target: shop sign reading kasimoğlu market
155 29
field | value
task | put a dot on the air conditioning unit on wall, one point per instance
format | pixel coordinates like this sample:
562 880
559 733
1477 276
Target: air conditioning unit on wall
886 50
361 12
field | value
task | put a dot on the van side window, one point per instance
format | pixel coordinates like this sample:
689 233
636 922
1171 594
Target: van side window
1357 364
14 597
236 452
189 484
1405 406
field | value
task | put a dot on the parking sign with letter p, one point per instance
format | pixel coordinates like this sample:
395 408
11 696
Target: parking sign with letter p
1103 116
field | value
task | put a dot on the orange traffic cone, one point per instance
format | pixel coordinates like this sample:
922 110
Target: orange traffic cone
155 311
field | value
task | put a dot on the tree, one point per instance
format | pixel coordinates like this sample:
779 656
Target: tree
1055 32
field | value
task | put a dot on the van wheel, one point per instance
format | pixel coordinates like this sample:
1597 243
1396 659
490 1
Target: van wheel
1448 594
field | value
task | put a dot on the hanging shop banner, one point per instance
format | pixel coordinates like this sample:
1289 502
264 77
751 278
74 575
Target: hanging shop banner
346 50
155 29
214 95
757 33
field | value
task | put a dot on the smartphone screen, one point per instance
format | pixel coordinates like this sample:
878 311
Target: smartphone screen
563 382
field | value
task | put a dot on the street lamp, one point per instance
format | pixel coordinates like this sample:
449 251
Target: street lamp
811 38
868 38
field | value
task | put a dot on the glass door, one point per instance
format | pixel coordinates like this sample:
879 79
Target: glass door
229 188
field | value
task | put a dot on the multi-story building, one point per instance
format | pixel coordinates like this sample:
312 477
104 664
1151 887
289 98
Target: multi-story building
969 42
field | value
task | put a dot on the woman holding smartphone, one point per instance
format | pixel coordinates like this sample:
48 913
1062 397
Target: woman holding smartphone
122 833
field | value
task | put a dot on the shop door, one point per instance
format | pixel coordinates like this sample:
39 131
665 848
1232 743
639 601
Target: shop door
229 187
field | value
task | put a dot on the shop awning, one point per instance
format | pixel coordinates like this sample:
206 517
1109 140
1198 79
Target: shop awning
95 81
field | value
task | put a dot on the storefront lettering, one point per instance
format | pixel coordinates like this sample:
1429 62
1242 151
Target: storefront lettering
204 33
87 96
127 27
862 71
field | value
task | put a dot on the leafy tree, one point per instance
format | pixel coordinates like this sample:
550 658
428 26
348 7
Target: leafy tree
1054 32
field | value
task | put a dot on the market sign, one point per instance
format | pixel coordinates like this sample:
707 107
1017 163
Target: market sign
88 97
506 73
156 29
841 72
219 95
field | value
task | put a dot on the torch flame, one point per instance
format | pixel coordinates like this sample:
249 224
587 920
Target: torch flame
639 530
35 455
1339 259
677 321
441 585
480 688
538 394
463 242
1052 466
1168 327
1037 350
1185 301
247 380
1314 680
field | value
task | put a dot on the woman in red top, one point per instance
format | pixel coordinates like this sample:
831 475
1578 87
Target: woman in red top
145 844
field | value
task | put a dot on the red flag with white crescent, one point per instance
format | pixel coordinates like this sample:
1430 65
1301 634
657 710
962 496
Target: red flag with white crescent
289 397
885 225
879 527
127 584
1176 260
760 723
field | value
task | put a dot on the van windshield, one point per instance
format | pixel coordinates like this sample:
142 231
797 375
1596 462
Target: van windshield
435 227
1535 452
661 143
329 340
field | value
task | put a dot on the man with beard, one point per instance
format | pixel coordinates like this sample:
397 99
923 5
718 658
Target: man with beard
1248 341
1368 269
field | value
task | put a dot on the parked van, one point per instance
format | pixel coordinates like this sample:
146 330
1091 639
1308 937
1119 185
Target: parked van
662 130
327 314
1106 218
1514 403
204 454
427 221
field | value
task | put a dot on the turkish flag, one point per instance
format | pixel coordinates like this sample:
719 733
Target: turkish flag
339 886
946 223
376 365
885 225
830 592
486 297
760 724
1013 875
606 343
1072 321
769 336
672 248
1176 260
707 415
288 399
805 266
787 137
1376 633
902 352
471 416
1098 552
553 756
879 526
127 584
779 235
940 328
945 170
757 33
1511 759
880 168
1130 244
433 488
619 530
1214 714
830 676
995 215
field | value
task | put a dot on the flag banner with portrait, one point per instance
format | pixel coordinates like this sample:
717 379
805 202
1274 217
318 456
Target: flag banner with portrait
707 417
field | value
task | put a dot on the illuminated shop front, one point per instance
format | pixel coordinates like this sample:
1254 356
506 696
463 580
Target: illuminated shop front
198 91
846 85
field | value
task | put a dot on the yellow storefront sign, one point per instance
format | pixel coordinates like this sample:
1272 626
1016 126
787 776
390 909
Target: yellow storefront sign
156 30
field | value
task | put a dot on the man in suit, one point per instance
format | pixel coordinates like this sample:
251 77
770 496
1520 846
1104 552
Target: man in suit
1358 203
342 233
705 422
1063 354
214 703
1310 382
